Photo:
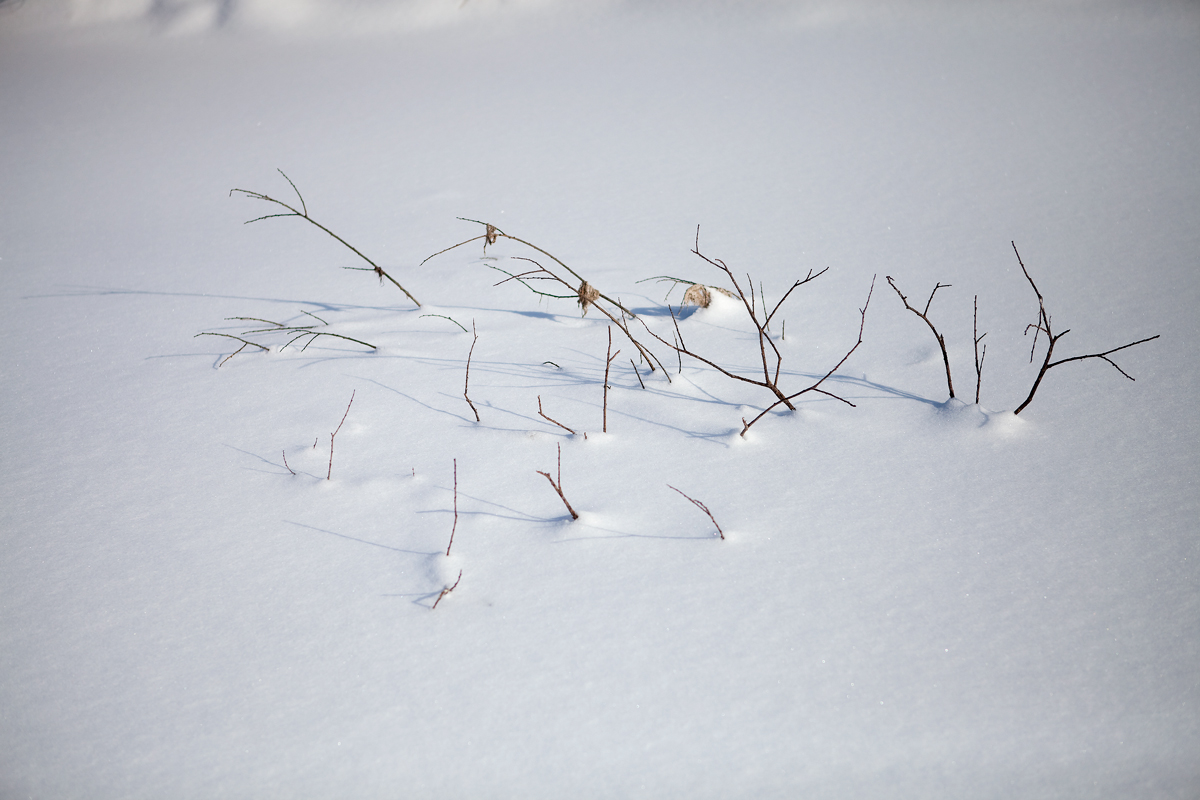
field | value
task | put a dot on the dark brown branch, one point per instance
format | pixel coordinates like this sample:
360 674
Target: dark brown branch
1043 326
558 486
289 469
924 315
979 357
816 386
329 474
467 380
551 419
771 360
638 374
302 213
447 591
703 508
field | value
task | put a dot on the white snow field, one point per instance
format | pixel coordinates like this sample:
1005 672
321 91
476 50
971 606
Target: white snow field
914 598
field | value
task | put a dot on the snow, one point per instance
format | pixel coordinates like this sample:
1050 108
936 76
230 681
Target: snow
915 596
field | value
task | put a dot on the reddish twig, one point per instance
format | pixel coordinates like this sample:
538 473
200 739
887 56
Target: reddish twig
703 508
329 474
467 381
446 591
455 526
289 469
558 486
542 414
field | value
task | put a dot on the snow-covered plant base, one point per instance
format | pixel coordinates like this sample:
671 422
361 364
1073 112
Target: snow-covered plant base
219 572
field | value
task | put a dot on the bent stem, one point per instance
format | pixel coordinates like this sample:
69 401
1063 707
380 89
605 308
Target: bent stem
302 213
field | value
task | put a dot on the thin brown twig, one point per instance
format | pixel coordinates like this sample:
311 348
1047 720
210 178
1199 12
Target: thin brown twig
703 508
446 591
302 213
558 486
608 359
329 474
542 414
289 469
467 381
455 526
924 315
638 374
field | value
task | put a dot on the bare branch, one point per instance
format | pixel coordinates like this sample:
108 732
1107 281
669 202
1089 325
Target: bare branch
467 380
329 474
447 591
550 419
703 508
558 485
924 315
303 214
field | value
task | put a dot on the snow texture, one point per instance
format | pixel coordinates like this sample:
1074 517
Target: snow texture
916 597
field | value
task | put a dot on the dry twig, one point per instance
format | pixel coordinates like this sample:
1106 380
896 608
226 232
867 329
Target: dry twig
542 414
587 295
608 359
446 591
771 358
1043 326
979 356
329 474
454 527
924 315
703 508
467 380
302 213
558 485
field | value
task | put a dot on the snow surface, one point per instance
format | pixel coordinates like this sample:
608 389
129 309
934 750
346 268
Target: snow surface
915 598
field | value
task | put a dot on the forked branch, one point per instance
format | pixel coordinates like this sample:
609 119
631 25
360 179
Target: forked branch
302 213
770 358
558 484
1043 326
924 315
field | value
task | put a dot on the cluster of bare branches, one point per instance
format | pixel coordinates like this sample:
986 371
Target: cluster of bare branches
587 295
770 358
296 332
302 213
1039 327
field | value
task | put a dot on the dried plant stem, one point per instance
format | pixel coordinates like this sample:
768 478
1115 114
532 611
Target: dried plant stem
1043 326
608 359
558 485
289 469
771 359
638 374
703 508
447 591
586 294
979 356
924 315
333 435
542 414
302 213
467 381
454 527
